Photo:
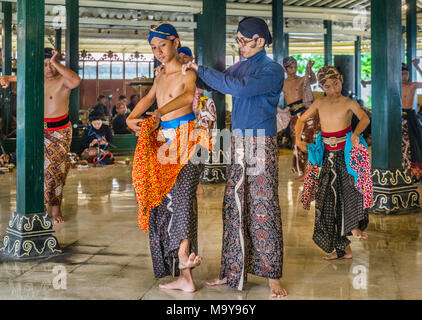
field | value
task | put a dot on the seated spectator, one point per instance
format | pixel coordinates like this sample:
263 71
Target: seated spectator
134 99
101 105
96 140
122 99
119 122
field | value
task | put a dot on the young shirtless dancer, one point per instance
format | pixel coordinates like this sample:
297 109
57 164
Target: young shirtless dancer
166 193
298 95
341 210
411 143
58 84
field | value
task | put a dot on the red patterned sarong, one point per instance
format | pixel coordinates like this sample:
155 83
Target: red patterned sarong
157 164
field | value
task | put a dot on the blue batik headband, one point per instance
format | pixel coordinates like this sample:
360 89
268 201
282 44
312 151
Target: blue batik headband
163 31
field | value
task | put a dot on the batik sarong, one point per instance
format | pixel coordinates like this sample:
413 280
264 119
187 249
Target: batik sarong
158 159
340 205
175 219
309 134
56 162
411 143
165 182
252 229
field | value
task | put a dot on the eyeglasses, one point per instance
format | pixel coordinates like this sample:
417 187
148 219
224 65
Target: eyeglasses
243 42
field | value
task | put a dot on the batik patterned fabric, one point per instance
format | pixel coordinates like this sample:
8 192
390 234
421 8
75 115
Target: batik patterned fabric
156 164
411 143
309 133
56 163
174 220
358 165
252 229
310 185
361 164
283 119
205 112
339 205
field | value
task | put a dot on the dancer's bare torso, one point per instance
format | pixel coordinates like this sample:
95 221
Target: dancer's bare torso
56 97
293 89
169 87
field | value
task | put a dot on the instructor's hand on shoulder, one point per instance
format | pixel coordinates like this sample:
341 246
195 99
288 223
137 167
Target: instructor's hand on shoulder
189 66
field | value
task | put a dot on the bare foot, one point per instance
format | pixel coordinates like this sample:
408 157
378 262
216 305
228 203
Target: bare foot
200 190
216 282
56 215
359 234
334 256
277 291
181 283
192 262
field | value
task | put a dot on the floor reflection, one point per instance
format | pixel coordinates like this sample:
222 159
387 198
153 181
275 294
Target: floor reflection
106 255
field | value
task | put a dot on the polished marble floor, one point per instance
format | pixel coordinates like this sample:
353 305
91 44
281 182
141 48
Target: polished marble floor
106 255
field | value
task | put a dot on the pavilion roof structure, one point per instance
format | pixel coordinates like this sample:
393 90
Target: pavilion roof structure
122 25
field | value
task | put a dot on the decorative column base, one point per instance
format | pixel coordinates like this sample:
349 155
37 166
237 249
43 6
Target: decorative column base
213 174
29 236
394 192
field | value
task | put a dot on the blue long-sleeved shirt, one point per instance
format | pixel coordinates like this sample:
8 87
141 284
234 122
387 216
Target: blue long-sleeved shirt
255 85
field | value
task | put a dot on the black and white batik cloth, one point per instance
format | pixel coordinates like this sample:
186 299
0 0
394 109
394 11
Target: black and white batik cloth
338 207
174 220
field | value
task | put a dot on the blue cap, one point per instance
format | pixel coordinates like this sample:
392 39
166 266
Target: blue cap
163 31
252 28
185 50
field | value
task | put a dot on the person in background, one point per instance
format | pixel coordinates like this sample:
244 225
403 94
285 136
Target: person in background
119 121
122 100
134 99
101 105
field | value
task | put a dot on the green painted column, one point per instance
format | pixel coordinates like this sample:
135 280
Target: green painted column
59 39
214 56
29 232
328 43
198 39
6 33
411 34
358 64
286 44
72 57
393 190
214 48
278 32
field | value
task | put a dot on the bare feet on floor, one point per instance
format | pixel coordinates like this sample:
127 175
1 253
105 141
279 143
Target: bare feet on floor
56 215
216 282
192 262
359 234
334 256
277 291
181 283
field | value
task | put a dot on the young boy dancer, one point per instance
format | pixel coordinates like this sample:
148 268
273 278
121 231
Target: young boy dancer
344 186
166 190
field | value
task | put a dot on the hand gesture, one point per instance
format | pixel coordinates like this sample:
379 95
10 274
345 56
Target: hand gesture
93 143
158 70
4 82
310 64
302 146
355 140
133 124
157 117
189 66
57 57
